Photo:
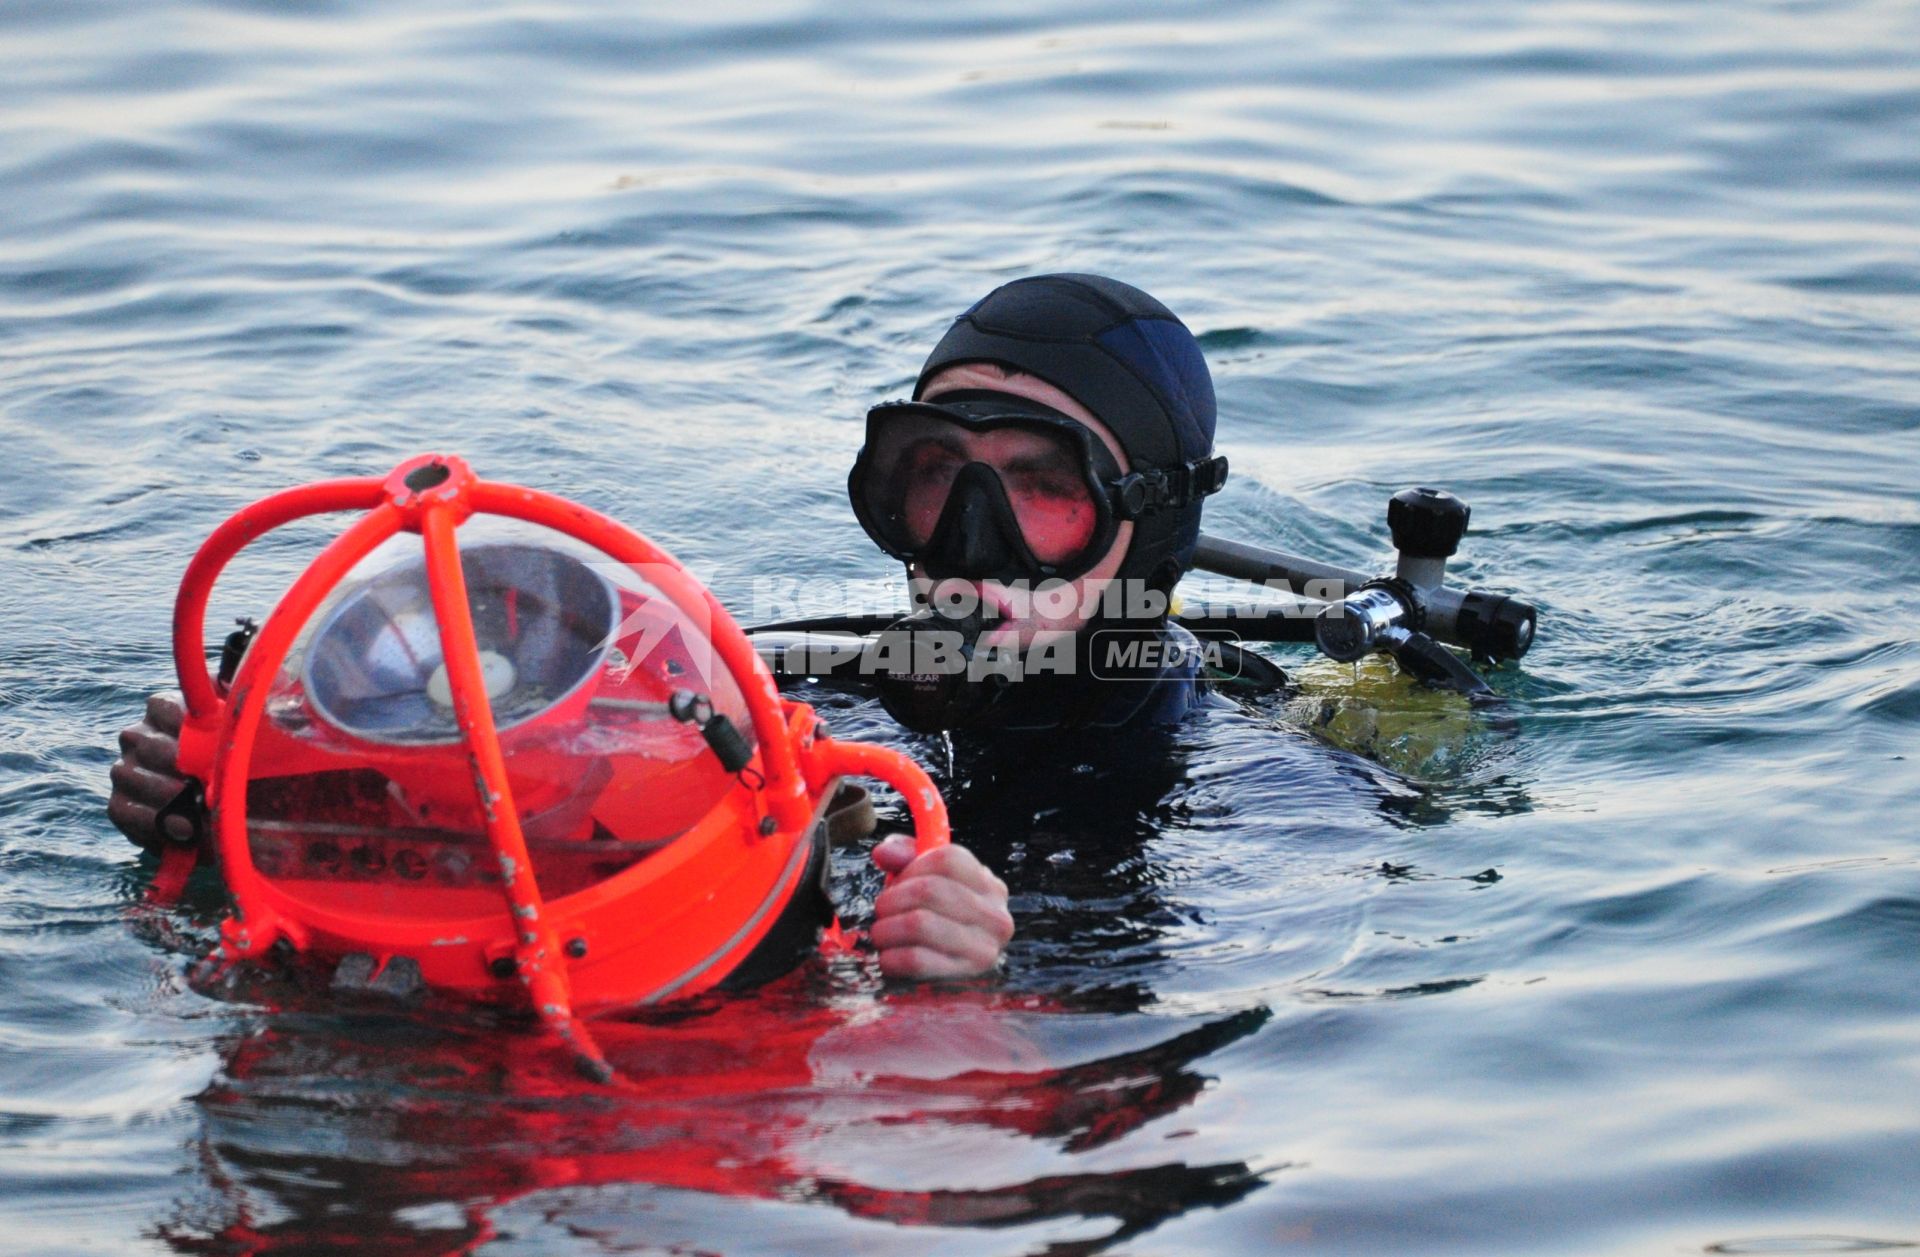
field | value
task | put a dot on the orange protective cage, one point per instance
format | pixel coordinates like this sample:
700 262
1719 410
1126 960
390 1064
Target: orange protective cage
657 781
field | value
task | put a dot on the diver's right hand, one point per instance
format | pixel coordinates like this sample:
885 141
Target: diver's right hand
146 777
942 915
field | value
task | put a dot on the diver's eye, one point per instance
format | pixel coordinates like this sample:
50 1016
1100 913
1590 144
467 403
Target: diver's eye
923 480
1053 485
931 461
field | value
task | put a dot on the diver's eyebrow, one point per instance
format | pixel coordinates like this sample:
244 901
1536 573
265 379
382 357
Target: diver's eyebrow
945 441
1038 462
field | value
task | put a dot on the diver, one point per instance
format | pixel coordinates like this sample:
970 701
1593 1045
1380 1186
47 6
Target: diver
1043 487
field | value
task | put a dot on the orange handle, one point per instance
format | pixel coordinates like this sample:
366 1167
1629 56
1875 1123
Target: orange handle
244 526
827 758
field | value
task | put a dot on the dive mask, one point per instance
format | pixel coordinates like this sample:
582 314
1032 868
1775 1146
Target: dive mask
989 486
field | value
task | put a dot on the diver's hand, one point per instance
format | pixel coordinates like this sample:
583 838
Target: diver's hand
146 777
943 915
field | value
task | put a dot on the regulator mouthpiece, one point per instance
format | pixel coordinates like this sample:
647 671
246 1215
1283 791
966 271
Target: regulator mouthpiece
932 673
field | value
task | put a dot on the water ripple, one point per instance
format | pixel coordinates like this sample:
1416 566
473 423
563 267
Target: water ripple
1635 280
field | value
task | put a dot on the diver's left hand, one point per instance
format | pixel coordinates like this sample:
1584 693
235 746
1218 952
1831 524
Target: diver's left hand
943 914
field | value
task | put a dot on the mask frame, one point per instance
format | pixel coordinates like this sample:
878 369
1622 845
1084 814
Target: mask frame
1117 497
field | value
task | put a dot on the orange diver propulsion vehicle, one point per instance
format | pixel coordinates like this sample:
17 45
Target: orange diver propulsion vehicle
498 744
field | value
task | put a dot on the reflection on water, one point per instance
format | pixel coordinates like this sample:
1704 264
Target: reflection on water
330 1129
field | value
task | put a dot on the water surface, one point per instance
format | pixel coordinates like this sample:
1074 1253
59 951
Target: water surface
1638 281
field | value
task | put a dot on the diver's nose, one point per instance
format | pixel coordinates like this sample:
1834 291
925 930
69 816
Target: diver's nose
974 537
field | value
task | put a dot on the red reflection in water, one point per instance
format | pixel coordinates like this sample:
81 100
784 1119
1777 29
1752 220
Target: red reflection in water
329 1132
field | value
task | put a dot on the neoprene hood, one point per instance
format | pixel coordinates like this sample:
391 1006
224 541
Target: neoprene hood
1129 360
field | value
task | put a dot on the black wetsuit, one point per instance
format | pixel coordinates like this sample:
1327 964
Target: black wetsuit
1154 687
1156 684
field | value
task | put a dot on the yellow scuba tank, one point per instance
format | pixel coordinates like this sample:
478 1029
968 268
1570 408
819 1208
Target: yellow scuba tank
1374 709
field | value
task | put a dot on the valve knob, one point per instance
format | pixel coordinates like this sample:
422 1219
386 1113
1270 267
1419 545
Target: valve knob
1426 523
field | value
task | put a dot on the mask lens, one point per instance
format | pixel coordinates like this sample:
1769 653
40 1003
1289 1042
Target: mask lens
913 458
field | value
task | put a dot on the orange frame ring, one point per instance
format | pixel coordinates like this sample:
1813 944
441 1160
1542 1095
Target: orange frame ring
585 949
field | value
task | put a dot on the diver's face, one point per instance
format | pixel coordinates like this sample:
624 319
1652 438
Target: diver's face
1055 611
1042 473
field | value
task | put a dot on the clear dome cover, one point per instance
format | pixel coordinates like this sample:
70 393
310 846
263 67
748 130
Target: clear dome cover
374 666
361 795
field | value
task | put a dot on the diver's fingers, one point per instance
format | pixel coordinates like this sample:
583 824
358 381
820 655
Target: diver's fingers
151 749
956 863
949 896
914 933
146 777
909 941
946 903
138 794
893 853
135 820
926 964
142 785
138 822
165 711
924 944
945 915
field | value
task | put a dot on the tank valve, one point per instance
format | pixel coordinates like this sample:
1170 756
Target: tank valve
1427 525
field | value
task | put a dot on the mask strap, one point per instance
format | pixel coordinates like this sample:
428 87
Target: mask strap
1141 493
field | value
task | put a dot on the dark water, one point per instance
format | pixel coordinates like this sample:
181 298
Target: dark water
1641 282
